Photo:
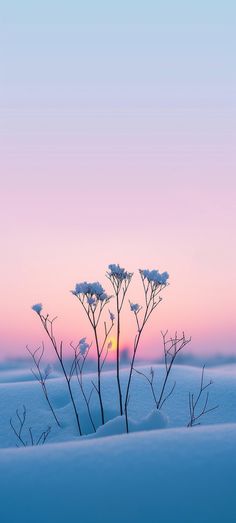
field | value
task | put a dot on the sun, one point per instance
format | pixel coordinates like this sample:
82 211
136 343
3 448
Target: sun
112 343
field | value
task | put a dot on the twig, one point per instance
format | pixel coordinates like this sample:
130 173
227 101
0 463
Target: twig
194 403
41 376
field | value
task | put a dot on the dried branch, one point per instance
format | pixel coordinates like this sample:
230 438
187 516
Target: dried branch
19 426
42 376
194 416
79 362
48 327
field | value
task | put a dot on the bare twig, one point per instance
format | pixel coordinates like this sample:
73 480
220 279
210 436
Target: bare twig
48 327
79 362
171 347
194 413
19 426
42 376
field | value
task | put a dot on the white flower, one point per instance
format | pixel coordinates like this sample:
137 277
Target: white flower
91 301
93 291
83 347
155 276
118 272
103 296
112 316
134 307
37 307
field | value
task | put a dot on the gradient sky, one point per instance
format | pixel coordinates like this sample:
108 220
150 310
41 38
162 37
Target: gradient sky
118 146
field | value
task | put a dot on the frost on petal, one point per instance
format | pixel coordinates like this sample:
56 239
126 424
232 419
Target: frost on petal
154 276
117 272
103 296
134 307
112 316
37 307
91 301
83 347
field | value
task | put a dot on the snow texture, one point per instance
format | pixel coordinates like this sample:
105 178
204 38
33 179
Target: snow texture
172 475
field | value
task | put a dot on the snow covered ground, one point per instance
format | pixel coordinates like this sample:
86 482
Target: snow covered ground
175 474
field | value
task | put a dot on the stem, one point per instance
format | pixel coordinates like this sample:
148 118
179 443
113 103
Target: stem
50 406
118 354
99 372
59 356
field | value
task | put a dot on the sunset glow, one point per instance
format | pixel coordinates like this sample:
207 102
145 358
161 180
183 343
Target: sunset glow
118 147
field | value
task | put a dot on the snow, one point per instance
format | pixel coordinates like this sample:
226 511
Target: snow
172 475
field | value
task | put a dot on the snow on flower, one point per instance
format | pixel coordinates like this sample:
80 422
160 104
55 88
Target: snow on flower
91 301
112 316
154 276
93 291
134 307
37 307
118 272
83 347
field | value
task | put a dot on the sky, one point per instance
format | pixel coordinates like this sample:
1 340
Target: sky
117 138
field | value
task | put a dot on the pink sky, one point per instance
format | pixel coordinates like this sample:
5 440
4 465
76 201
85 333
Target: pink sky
125 155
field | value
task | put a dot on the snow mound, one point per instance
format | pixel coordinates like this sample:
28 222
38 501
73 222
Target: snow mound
153 421
166 476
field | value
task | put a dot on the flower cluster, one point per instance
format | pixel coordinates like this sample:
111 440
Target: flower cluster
155 276
93 291
118 272
112 316
37 307
134 307
83 346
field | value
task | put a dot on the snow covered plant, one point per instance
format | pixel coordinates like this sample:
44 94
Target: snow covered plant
120 280
94 299
48 325
153 283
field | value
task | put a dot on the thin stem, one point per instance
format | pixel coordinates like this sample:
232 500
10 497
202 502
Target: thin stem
44 321
118 354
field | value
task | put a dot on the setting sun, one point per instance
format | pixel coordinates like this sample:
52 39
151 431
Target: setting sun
112 345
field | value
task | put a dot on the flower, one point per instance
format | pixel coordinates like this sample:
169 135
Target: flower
118 272
93 291
112 316
155 276
83 347
37 307
91 301
134 307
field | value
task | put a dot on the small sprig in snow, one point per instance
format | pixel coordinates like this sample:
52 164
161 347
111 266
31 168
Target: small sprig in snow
154 276
37 307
